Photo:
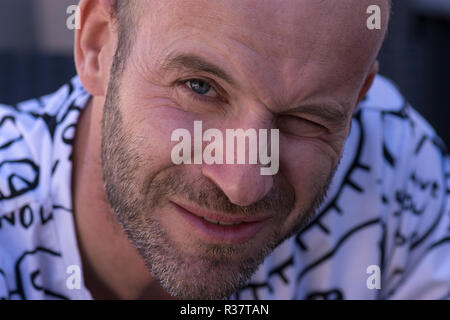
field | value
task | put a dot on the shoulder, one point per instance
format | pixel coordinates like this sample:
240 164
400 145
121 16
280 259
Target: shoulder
36 225
413 171
387 115
385 98
409 159
27 132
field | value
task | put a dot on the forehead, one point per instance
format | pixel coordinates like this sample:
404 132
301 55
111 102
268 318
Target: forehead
283 38
278 21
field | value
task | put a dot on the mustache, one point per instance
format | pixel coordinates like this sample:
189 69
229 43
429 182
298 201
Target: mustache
174 182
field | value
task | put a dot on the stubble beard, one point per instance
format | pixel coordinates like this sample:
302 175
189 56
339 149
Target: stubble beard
134 200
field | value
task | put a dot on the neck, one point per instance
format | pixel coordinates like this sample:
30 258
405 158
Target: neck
112 267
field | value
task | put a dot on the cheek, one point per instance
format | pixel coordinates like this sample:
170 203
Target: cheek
151 125
306 164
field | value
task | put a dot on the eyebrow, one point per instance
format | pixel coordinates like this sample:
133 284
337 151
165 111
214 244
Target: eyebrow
329 113
192 62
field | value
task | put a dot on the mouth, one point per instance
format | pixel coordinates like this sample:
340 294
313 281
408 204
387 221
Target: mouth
217 228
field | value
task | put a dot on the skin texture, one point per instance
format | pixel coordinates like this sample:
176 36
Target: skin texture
281 56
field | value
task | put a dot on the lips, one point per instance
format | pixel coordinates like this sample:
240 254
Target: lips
218 228
221 222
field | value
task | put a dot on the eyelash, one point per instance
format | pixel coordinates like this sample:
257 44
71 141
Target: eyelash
201 98
205 99
313 123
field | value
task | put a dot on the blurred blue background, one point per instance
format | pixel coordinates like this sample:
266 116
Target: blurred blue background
36 53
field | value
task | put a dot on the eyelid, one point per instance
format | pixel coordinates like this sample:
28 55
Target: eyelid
220 92
297 117
207 82
301 130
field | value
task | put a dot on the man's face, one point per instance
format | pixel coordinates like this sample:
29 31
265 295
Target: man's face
293 65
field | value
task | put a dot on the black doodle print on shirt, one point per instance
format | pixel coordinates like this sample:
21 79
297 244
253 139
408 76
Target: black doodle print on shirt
22 176
408 201
333 294
24 179
25 172
278 271
3 280
25 217
52 122
5 121
397 273
332 207
404 200
32 276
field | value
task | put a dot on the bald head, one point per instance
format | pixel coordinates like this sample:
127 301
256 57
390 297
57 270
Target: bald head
348 17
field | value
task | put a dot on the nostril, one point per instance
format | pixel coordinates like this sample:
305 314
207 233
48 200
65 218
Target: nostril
250 191
242 184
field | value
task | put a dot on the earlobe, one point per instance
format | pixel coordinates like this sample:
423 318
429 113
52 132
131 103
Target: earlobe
369 81
94 45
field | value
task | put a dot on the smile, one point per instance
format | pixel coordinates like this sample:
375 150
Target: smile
219 229
221 222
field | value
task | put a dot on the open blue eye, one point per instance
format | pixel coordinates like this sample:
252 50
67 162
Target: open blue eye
199 86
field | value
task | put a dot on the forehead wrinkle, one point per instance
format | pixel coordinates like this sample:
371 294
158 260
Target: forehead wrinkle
193 62
258 59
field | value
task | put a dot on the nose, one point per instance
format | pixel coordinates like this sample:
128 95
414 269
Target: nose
243 183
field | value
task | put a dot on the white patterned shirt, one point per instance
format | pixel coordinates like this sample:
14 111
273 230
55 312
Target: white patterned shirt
383 231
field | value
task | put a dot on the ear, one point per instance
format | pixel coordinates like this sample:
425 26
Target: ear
95 43
369 81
